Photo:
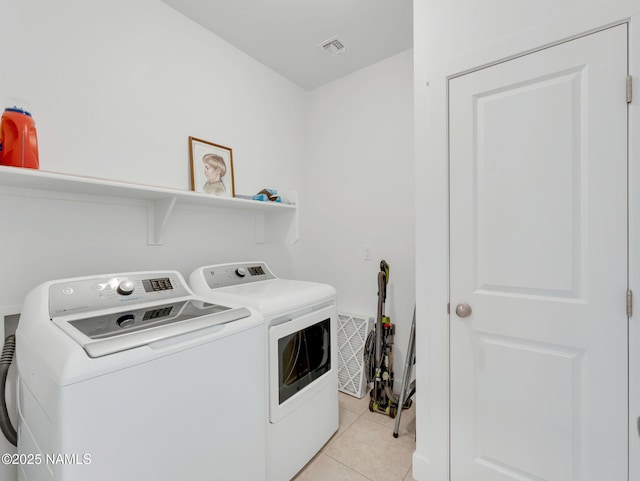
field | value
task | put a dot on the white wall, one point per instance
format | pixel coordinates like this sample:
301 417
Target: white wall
451 37
444 30
359 191
116 87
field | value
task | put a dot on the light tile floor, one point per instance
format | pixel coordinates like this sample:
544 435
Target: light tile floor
364 448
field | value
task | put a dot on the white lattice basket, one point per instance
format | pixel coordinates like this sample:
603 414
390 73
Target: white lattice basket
352 335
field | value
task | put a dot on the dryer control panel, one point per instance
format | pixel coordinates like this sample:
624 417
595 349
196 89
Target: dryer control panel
96 293
236 274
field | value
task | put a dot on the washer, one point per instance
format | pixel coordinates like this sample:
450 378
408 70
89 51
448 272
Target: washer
301 363
132 377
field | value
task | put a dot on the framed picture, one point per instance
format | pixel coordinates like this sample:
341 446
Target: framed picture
211 168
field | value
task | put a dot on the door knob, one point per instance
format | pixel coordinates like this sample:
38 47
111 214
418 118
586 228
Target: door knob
463 310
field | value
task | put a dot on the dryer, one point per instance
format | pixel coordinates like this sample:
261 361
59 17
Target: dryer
301 357
132 377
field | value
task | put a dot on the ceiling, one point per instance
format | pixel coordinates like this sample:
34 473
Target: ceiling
284 34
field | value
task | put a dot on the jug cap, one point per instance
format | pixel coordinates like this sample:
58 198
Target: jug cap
17 110
17 105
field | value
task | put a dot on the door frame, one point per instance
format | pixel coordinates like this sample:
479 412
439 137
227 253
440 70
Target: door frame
431 458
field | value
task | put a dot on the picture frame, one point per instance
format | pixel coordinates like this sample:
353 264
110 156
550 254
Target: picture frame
211 168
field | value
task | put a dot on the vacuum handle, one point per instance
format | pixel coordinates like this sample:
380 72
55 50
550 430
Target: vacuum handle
384 267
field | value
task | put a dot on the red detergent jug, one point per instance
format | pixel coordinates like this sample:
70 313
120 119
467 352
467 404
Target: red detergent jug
18 139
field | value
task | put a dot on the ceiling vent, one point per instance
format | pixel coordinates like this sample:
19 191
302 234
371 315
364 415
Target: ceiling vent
332 46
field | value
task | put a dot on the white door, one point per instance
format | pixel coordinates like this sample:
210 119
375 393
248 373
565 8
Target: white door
538 238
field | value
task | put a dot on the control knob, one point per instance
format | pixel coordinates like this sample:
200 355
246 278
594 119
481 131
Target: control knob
241 272
126 321
126 287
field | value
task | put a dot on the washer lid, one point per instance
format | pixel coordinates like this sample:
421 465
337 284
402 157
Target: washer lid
113 332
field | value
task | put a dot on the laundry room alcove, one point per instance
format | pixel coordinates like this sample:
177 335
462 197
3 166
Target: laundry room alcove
273 221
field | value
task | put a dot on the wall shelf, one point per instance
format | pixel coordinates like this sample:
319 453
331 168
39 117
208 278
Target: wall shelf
160 201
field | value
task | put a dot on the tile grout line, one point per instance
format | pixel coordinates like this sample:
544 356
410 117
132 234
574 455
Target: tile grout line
337 436
341 434
348 467
363 413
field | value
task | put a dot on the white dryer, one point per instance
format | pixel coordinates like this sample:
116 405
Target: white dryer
131 377
301 364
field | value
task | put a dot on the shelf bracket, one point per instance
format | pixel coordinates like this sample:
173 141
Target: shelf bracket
158 213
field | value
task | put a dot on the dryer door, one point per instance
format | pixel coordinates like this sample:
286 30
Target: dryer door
300 360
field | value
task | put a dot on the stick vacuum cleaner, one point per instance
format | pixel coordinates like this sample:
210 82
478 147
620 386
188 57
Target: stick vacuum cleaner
379 349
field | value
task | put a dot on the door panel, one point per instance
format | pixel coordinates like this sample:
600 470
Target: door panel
513 169
538 238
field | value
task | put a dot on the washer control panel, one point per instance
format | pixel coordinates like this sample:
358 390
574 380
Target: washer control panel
97 293
108 325
236 274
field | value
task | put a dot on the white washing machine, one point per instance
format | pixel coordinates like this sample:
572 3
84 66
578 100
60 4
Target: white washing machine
301 364
131 377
